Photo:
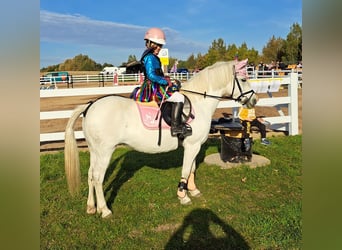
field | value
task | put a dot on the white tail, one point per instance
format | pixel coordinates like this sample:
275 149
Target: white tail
71 155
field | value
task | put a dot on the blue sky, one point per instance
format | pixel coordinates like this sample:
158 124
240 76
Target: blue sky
109 31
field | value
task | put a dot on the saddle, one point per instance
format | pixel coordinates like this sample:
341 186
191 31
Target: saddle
154 117
150 115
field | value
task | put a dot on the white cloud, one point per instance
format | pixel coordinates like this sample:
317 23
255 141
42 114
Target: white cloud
77 29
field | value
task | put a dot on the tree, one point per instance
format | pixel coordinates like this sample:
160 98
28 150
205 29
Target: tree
201 61
232 51
217 52
191 62
293 45
131 58
79 63
253 56
274 50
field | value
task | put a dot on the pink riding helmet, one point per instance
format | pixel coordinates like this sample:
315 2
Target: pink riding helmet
155 35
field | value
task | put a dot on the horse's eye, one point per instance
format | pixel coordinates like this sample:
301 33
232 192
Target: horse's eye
243 79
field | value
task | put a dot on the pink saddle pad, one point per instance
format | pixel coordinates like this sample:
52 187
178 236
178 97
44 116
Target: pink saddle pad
150 116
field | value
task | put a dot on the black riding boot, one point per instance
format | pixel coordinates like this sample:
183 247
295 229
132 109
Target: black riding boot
177 127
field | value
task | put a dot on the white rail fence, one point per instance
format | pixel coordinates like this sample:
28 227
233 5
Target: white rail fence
266 85
48 83
282 122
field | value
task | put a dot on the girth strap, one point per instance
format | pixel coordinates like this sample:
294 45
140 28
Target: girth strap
160 127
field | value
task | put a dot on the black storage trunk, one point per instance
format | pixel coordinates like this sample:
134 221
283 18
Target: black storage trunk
236 150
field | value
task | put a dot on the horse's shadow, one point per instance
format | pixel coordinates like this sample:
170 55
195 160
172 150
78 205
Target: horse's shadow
132 161
203 229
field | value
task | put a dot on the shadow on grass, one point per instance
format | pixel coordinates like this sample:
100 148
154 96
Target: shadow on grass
126 165
203 229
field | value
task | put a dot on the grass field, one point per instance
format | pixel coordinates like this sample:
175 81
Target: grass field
241 208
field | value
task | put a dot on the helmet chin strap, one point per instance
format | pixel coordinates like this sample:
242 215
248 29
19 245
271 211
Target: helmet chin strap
148 43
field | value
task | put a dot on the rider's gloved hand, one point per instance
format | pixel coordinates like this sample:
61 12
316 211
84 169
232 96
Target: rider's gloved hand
169 83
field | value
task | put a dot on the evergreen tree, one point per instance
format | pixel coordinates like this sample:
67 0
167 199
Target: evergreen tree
274 50
232 51
243 51
131 58
217 52
191 62
293 45
201 61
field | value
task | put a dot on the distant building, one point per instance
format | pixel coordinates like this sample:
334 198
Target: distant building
133 67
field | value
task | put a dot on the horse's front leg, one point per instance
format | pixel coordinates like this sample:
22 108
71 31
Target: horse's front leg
192 188
188 176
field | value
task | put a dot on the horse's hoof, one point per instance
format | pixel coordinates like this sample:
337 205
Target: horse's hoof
91 210
195 193
185 200
106 214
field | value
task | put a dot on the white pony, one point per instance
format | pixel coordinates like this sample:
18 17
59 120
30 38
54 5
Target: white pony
114 120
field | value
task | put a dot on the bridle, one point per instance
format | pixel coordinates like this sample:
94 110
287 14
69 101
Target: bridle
237 99
242 94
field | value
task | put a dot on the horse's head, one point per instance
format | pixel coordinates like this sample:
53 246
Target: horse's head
223 80
242 91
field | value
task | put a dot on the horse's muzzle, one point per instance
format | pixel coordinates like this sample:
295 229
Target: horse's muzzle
249 101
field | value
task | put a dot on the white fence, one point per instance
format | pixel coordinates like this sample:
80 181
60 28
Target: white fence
269 85
282 122
49 83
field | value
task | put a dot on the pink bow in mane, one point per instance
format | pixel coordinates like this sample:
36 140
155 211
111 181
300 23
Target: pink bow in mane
241 68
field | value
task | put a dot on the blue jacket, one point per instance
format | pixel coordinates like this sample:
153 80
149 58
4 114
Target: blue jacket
152 68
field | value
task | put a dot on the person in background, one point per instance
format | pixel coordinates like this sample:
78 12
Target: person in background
159 86
248 115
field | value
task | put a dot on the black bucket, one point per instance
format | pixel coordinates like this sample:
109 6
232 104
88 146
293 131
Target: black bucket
236 150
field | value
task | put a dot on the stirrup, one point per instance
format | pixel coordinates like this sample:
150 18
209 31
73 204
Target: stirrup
186 131
175 131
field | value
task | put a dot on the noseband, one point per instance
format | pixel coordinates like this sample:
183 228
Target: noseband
242 94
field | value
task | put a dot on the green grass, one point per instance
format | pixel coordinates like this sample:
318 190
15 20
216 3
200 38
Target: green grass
262 212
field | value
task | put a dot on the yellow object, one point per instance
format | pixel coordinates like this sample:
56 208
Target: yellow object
248 129
148 104
234 133
247 114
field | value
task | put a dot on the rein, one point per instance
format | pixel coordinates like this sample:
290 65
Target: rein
236 82
207 95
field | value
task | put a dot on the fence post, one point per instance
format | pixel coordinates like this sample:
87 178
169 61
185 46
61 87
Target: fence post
101 80
70 81
293 105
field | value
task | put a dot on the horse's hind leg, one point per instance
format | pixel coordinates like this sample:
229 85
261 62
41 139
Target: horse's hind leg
91 209
100 162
